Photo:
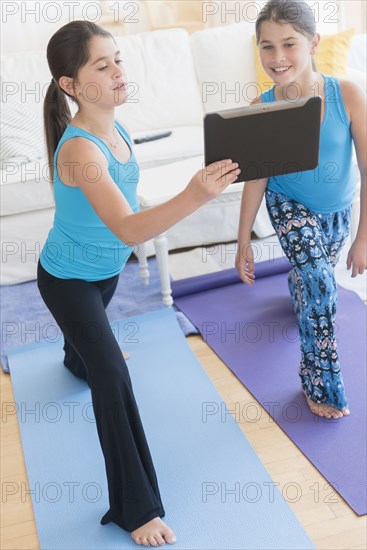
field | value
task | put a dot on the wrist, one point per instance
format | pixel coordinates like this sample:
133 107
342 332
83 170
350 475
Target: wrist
193 198
361 239
244 237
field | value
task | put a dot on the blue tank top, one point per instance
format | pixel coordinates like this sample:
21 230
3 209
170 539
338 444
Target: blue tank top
80 245
331 186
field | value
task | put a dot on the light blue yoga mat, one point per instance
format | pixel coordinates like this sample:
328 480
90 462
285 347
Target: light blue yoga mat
216 492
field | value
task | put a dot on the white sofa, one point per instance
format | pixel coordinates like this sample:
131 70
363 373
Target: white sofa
175 78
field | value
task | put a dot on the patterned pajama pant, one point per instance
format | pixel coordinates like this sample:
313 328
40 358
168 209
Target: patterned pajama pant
312 243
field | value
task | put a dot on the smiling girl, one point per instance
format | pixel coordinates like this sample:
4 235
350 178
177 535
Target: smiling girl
310 212
97 220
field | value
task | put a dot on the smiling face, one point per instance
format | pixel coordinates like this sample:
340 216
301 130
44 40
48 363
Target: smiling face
102 80
285 53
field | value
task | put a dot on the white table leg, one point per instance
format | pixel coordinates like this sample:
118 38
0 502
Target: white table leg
161 250
140 252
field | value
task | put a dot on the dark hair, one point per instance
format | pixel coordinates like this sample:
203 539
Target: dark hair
67 52
295 12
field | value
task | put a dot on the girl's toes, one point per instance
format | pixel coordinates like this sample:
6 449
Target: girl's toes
169 536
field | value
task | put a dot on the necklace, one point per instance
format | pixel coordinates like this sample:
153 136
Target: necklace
114 145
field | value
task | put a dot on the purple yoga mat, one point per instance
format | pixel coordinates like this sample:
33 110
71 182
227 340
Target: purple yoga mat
254 331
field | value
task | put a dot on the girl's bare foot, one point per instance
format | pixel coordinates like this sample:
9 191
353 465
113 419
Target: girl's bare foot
325 410
153 533
125 355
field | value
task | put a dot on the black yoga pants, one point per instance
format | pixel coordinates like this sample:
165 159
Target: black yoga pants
92 353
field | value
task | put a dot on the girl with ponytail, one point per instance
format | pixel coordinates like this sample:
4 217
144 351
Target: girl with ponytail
97 222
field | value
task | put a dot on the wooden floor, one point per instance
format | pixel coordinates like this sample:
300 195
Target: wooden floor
327 519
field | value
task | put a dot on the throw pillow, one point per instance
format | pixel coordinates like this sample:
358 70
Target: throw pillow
22 136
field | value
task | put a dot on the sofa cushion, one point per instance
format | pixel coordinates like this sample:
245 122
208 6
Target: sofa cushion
225 66
25 186
185 141
22 136
163 90
25 77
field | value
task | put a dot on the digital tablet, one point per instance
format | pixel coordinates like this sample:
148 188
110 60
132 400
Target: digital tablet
266 139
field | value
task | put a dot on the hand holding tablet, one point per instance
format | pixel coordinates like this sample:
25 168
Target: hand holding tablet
266 139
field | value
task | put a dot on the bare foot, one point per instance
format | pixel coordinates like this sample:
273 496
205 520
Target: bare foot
325 410
153 533
125 355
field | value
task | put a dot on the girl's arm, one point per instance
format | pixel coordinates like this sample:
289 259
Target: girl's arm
355 100
112 207
252 196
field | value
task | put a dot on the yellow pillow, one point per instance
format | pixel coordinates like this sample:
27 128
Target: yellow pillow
332 53
331 57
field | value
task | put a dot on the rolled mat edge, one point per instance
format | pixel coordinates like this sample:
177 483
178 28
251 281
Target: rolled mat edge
201 283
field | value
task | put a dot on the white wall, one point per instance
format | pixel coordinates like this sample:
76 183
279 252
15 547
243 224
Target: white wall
331 16
353 13
29 24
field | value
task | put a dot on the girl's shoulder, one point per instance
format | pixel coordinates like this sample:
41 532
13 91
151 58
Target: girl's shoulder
352 95
347 87
74 155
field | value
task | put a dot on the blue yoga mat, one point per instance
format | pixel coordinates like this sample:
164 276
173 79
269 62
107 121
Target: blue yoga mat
216 492
254 331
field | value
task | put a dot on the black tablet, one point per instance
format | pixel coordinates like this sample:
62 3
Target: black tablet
266 139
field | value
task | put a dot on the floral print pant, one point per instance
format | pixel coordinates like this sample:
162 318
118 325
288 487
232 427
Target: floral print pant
312 243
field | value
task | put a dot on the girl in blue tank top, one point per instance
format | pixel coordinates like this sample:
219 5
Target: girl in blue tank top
97 222
310 211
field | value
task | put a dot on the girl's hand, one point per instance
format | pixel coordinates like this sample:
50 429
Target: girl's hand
357 257
209 182
244 262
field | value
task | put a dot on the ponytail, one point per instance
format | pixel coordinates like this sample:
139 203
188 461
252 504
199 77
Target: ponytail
56 117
